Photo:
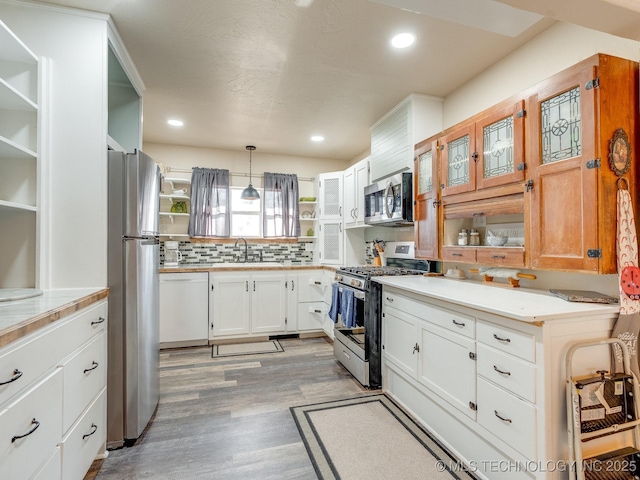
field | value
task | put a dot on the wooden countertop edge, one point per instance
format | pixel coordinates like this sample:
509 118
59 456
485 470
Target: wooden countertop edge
26 327
209 268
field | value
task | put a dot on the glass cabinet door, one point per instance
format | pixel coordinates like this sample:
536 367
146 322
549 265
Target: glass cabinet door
427 205
499 138
457 163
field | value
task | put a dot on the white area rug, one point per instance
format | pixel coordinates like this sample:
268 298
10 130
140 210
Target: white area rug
371 437
234 349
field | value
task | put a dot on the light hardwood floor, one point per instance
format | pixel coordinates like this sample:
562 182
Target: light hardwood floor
228 418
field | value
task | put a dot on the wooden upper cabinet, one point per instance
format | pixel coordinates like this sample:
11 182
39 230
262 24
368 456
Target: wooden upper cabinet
571 188
485 152
427 206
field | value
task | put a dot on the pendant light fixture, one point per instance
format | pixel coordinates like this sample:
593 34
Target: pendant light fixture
250 193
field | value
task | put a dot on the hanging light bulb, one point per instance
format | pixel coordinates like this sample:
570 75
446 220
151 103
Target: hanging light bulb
250 193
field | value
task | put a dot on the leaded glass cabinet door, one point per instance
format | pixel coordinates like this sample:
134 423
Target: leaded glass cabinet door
563 192
458 172
427 207
500 144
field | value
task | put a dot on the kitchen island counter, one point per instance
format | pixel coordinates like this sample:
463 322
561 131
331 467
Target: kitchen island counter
523 304
21 317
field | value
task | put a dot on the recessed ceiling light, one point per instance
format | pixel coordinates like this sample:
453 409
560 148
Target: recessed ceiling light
403 40
317 138
175 123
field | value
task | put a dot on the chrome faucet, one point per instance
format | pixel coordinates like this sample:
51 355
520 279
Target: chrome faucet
246 251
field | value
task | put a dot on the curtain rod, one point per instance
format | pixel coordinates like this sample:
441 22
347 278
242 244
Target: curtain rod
235 174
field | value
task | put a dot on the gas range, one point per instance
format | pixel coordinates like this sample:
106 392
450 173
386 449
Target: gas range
359 277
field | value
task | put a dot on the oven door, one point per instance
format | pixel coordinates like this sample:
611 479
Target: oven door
349 344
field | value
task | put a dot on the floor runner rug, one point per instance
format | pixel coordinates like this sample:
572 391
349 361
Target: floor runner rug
234 349
371 438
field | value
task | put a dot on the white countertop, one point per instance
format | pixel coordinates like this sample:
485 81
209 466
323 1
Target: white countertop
524 304
20 317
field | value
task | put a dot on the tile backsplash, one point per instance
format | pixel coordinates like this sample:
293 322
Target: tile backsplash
200 253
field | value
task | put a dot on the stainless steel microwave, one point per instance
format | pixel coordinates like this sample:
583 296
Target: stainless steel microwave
389 202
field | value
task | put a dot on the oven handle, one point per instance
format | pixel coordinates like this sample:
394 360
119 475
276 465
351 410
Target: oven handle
356 293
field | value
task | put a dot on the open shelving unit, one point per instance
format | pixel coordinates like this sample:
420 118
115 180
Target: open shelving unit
174 225
19 161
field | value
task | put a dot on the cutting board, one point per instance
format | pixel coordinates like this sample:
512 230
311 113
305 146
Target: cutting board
586 296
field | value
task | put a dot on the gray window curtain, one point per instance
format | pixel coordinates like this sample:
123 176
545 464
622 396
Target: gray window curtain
210 212
281 209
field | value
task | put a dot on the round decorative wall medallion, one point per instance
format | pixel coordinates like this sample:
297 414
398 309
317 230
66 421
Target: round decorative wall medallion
620 152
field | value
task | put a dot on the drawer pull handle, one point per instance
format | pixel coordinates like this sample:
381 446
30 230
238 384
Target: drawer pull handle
100 320
500 339
456 254
35 424
315 310
506 420
317 283
459 324
389 299
501 372
95 429
346 355
16 375
94 366
499 256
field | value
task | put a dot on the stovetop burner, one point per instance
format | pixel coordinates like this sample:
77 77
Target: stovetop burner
372 271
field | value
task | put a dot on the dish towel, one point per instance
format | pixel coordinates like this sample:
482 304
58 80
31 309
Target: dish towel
627 327
348 308
335 303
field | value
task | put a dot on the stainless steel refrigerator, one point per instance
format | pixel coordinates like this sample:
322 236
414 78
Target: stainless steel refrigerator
133 279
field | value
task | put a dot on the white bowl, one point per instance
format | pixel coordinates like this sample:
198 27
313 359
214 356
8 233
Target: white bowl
497 241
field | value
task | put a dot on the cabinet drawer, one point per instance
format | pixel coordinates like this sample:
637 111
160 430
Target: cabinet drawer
311 286
87 323
84 442
512 257
507 371
519 344
507 417
21 458
454 321
311 315
42 350
459 254
52 470
85 374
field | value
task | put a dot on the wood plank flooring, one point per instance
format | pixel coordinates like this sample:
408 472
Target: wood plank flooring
228 418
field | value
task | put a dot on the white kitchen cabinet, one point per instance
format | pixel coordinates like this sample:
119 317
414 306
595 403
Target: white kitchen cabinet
60 379
248 304
268 302
19 161
184 309
355 179
331 220
309 302
488 379
229 304
393 136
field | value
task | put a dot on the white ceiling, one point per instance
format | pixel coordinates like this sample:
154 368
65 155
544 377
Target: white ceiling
271 73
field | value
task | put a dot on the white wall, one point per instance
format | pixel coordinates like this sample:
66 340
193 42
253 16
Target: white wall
74 189
560 46
183 157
